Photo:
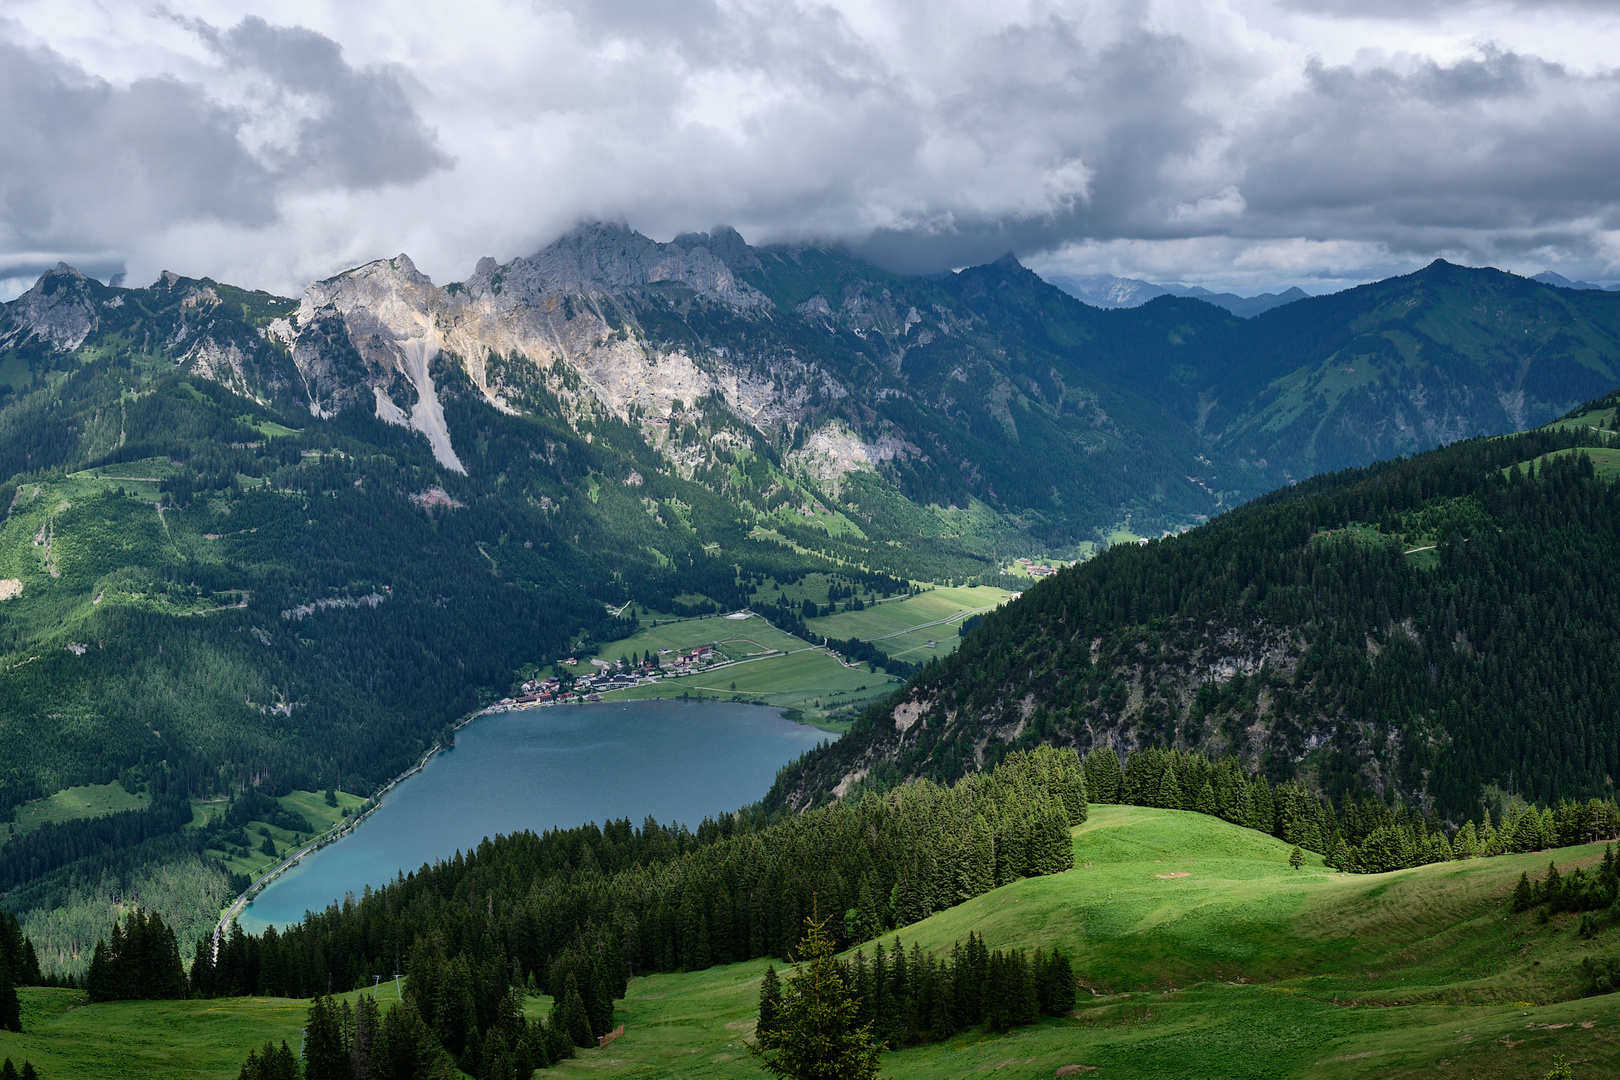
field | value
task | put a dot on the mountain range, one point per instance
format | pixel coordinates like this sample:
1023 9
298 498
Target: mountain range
286 540
1108 291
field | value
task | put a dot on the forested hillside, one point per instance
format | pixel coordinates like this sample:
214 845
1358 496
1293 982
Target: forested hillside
1440 628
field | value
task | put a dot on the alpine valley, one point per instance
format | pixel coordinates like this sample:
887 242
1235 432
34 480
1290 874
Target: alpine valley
257 548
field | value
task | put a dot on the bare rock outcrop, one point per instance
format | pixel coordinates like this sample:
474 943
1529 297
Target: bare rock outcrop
60 310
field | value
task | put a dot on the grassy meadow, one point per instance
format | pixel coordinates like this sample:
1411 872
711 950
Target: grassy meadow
69 804
1206 955
902 628
1202 954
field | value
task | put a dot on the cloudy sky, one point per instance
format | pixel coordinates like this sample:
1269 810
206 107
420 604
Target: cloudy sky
1229 143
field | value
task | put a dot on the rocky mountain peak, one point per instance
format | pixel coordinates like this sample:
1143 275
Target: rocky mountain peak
59 309
610 256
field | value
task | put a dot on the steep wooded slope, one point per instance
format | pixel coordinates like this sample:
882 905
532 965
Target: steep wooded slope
1432 625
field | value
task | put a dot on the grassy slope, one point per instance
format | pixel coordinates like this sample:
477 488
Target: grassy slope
1434 939
70 804
1242 968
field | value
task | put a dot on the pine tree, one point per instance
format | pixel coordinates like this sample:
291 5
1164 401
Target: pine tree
1296 858
817 1036
363 1048
28 1072
1524 894
1206 799
770 1000
10 1005
325 1055
568 1013
1104 778
8 1071
407 1047
1169 790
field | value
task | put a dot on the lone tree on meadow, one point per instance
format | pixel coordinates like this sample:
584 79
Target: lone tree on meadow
815 1034
1296 858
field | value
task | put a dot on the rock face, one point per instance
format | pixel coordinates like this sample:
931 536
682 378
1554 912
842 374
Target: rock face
59 311
376 333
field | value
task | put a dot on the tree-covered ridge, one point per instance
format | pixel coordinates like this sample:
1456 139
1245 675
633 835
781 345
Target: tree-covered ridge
1425 627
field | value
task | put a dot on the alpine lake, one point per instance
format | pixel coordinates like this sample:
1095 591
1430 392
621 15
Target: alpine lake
548 768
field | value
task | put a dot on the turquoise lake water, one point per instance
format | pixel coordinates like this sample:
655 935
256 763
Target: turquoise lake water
549 768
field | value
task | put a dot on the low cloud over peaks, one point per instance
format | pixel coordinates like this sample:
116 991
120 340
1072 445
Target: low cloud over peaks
1259 144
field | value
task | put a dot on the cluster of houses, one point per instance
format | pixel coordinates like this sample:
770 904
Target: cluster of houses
610 675
1037 570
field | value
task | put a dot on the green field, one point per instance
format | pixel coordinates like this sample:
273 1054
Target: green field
809 680
1205 955
1605 462
311 804
903 628
1241 968
737 638
86 801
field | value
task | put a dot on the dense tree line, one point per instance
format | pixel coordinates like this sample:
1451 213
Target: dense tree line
1487 657
57 843
1365 836
1576 892
575 913
18 967
908 999
141 962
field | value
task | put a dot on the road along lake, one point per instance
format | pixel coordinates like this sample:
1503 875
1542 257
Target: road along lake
549 768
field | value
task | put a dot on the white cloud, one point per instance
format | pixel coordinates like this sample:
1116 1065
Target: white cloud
1221 142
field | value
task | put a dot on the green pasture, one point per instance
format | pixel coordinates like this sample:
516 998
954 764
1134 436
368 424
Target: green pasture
69 804
1605 461
1204 954
752 636
937 610
1593 418
808 680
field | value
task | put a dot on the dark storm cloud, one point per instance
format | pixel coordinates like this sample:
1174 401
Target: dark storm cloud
1499 152
84 157
363 132
91 164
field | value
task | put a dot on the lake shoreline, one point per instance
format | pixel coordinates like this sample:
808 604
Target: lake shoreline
538 769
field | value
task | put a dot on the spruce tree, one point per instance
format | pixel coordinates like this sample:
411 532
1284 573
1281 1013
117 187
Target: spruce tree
363 1047
770 1000
407 1047
1169 790
10 1006
8 1071
1524 894
568 1013
1206 799
817 1036
1296 858
325 1055
28 1072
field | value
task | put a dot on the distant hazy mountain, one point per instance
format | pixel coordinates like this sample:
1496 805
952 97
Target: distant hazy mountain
1547 277
1108 291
